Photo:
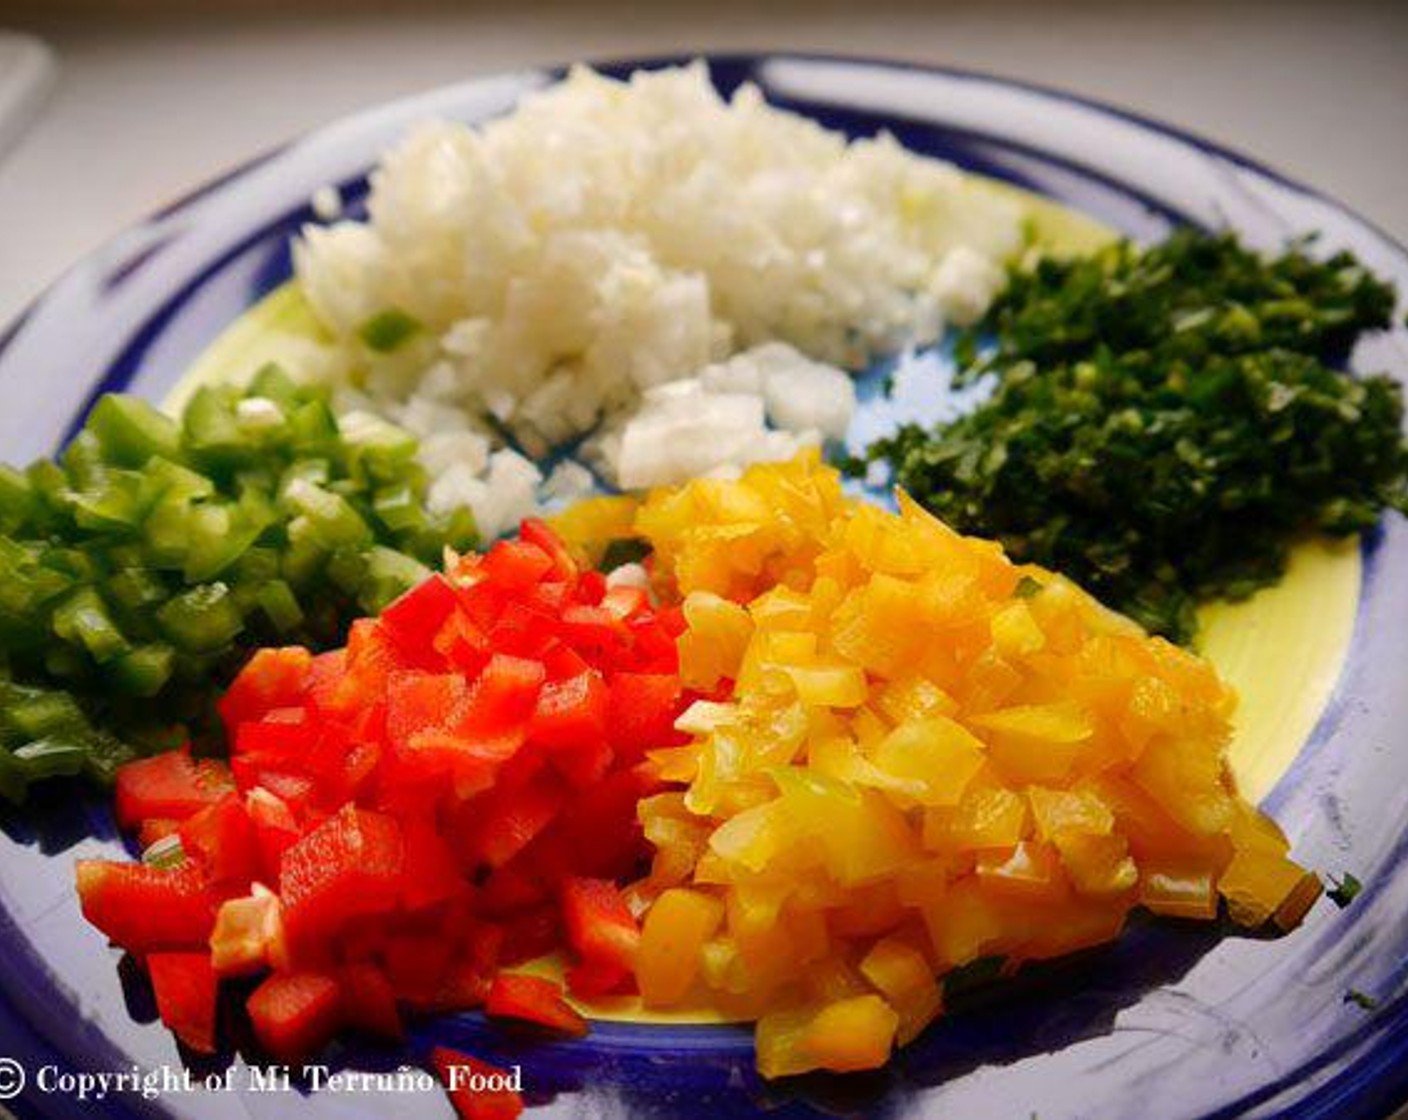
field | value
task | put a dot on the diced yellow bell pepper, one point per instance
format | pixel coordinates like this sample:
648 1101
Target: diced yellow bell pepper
937 752
986 817
852 1034
1015 633
913 696
713 645
921 764
1260 885
1029 870
590 525
672 938
1178 890
902 975
1069 810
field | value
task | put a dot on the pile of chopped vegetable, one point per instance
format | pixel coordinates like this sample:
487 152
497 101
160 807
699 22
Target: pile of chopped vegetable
853 752
1167 423
138 570
401 820
926 755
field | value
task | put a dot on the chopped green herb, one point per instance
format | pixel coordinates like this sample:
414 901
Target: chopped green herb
1166 424
1368 1003
388 330
1027 587
1344 890
624 550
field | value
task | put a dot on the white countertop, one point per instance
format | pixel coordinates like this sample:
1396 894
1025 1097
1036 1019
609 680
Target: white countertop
145 108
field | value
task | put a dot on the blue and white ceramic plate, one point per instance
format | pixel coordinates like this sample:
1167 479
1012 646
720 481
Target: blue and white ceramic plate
1168 1022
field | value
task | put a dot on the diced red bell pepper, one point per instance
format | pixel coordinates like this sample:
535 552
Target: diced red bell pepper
275 829
369 1002
281 731
272 678
512 890
142 908
502 698
504 821
525 631
324 677
536 531
465 647
171 785
413 621
571 712
600 927
154 829
594 632
591 587
653 648
601 828
471 764
417 964
516 565
260 771
482 946
672 620
186 992
593 980
531 933
477 1090
295 1013
419 702
222 839
371 659
430 873
344 770
463 987
562 661
642 712
550 599
533 999
349 865
583 766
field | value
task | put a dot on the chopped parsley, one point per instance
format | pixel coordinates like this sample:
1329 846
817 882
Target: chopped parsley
1344 890
1167 423
624 550
1367 1002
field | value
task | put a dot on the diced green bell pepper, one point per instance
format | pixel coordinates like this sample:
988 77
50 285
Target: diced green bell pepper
201 620
52 758
279 604
33 713
117 503
389 574
274 384
144 671
332 521
83 620
17 500
130 431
